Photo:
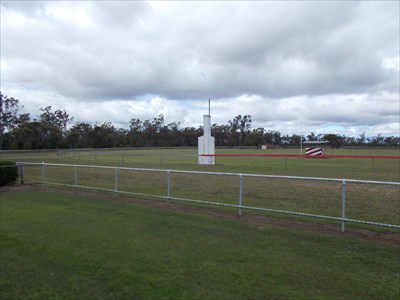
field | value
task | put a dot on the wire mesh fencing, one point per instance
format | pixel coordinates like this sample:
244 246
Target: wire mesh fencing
347 201
306 196
372 201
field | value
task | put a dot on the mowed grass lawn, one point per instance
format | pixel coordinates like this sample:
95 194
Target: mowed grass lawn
186 159
57 245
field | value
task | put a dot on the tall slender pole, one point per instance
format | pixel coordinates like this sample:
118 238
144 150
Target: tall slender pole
43 174
75 177
240 194
21 173
168 186
116 182
301 136
209 112
343 204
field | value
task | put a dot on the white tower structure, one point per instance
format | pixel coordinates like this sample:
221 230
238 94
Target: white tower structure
206 142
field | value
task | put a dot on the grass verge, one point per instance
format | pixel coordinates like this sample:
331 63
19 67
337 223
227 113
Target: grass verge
186 159
58 245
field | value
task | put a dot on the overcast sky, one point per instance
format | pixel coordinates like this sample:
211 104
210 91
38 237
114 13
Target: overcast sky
297 67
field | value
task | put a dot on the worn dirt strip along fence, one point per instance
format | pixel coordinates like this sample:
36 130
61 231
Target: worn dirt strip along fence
343 200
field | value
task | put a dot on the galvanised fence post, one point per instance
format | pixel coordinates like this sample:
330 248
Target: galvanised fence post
343 203
168 186
21 173
116 182
240 194
42 173
373 165
75 177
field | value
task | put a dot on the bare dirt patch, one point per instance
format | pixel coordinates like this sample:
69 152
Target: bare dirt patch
15 188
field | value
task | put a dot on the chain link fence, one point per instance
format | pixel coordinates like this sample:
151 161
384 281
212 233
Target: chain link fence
347 201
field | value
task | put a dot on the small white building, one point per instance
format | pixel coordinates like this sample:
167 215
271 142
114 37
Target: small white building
206 144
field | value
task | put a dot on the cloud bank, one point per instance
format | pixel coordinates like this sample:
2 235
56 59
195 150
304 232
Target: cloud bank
293 66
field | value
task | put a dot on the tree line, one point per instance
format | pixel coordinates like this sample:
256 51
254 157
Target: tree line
50 131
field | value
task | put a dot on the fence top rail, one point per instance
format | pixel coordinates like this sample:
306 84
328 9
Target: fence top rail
211 173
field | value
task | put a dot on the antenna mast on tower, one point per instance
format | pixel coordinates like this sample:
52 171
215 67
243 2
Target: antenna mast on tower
209 107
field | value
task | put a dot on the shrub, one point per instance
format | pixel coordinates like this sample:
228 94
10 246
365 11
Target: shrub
8 172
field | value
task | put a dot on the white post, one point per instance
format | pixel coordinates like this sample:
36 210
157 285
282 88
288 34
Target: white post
343 204
206 144
116 182
240 194
168 186
43 174
75 177
301 136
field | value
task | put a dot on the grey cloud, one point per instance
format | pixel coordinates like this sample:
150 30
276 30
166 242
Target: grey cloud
271 49
275 59
26 7
123 15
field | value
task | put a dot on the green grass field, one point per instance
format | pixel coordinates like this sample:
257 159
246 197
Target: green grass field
364 202
186 159
58 245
